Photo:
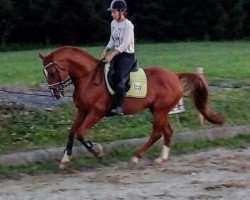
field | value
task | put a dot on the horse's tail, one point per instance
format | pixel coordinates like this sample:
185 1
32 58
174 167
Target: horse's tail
198 88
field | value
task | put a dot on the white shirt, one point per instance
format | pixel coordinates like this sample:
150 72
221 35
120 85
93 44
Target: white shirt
122 36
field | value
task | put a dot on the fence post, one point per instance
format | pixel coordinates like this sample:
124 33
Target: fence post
179 108
200 71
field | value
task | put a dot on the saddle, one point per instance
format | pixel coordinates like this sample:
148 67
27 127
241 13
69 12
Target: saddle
136 85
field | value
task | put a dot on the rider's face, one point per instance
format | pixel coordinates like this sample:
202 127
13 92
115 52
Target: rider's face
115 14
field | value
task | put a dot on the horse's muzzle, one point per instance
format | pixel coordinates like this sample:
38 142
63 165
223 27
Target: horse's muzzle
57 93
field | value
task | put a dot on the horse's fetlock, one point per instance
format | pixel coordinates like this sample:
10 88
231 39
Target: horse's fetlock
69 152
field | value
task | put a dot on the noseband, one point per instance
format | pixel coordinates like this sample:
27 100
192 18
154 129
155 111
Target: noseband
59 85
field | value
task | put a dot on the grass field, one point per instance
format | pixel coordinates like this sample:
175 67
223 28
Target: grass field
219 59
46 129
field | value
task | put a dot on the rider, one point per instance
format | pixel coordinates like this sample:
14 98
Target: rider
120 50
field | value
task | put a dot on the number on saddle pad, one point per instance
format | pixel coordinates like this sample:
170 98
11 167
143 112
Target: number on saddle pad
138 83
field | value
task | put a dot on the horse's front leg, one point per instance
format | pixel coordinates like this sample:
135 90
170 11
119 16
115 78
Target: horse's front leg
91 119
80 116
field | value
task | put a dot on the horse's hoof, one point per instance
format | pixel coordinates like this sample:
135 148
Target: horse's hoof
99 150
134 160
134 163
64 165
159 161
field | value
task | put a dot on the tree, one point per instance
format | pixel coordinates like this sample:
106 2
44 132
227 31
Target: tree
78 21
246 26
7 20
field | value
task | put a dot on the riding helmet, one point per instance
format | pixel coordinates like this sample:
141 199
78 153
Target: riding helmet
119 5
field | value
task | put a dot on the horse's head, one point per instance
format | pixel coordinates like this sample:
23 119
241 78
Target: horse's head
56 75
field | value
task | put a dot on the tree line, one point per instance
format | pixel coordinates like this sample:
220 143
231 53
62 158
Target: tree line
87 21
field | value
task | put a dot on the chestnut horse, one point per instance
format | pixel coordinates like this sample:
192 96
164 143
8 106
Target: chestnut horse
93 100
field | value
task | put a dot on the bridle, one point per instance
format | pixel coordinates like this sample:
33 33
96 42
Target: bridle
59 85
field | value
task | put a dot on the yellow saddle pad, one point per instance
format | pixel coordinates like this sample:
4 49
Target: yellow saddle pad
138 83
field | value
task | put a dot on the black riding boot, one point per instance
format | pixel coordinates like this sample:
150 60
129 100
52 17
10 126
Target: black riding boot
119 97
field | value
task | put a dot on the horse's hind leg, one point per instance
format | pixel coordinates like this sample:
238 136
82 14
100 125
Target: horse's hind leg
159 119
167 133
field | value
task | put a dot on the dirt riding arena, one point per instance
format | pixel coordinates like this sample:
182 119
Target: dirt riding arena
216 174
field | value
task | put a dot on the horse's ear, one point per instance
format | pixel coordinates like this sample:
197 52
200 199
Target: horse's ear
41 56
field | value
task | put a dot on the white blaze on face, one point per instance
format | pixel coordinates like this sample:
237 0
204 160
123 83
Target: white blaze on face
45 72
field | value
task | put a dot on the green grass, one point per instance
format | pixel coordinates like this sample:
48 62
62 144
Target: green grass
49 129
87 163
223 59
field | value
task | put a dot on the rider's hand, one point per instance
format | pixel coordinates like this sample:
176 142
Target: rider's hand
108 57
104 53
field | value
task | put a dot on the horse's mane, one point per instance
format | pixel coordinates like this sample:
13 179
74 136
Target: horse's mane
74 51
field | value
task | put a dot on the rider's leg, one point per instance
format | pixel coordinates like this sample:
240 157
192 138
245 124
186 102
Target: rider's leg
119 98
122 67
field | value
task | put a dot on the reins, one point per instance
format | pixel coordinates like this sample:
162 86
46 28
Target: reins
96 75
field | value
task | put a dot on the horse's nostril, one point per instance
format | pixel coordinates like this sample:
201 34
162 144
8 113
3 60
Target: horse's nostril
57 96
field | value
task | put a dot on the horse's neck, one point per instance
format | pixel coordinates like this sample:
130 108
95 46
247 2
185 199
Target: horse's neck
86 73
81 66
90 86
